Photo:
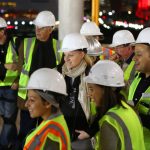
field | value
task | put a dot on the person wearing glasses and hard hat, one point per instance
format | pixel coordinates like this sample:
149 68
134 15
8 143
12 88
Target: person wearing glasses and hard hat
76 108
119 125
46 87
123 45
8 86
139 91
36 52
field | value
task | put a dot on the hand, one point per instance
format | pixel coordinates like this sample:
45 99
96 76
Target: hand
21 103
15 86
11 66
82 134
115 57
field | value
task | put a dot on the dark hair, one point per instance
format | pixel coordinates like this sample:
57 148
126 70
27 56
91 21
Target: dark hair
111 98
58 97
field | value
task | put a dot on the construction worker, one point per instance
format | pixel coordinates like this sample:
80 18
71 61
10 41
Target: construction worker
76 108
124 51
44 95
38 52
139 90
8 86
119 125
90 29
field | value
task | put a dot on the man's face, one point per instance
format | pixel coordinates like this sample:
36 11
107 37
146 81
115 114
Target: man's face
124 51
142 58
43 33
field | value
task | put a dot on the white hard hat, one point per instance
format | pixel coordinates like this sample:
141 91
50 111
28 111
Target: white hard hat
95 48
90 29
44 19
3 23
74 41
144 36
122 37
47 79
107 73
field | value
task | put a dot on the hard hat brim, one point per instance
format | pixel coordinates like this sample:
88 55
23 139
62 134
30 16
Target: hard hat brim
89 79
95 54
89 34
33 88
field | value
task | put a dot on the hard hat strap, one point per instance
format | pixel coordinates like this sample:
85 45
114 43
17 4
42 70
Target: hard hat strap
48 97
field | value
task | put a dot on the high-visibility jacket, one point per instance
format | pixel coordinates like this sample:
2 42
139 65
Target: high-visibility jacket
143 105
54 130
57 46
127 126
129 71
11 57
29 44
145 98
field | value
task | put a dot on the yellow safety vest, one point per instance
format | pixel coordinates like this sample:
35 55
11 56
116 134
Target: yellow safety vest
145 98
56 46
127 74
54 129
127 126
140 106
29 44
11 57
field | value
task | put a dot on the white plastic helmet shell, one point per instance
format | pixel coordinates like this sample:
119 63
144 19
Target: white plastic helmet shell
95 48
74 41
144 36
47 79
44 19
90 29
3 23
122 37
107 73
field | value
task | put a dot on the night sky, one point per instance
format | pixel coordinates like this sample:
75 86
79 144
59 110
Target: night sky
38 5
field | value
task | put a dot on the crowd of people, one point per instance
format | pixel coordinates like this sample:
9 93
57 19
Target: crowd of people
69 98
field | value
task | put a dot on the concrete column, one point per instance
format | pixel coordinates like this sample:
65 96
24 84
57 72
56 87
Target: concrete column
70 16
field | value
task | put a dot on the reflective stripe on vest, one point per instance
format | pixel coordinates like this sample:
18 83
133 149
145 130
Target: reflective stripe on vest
51 129
128 74
129 70
11 57
127 126
29 44
127 142
143 105
57 45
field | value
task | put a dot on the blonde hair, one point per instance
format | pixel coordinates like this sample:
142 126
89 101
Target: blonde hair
88 60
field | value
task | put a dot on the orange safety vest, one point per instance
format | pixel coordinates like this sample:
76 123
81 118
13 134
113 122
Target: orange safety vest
52 129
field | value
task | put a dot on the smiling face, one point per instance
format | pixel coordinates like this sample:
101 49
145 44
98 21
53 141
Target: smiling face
96 93
142 58
36 106
73 58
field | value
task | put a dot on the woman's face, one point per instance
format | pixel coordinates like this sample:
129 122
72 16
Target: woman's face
36 106
95 92
73 58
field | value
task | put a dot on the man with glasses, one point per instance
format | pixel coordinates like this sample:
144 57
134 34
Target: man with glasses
123 45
